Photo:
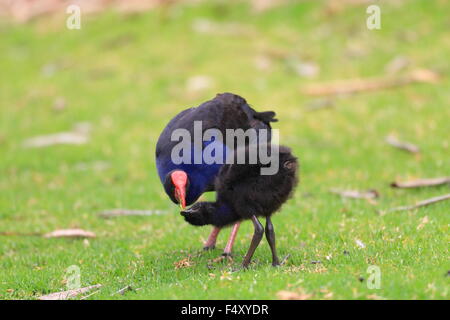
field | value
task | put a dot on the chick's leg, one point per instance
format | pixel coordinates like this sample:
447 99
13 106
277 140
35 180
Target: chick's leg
257 236
270 236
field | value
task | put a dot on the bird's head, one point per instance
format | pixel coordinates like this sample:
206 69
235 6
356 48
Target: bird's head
176 186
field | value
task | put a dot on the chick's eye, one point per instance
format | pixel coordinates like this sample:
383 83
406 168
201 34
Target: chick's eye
289 165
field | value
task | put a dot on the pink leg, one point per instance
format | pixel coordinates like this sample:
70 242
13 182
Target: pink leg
229 247
211 242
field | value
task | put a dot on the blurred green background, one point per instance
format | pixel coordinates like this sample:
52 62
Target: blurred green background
116 82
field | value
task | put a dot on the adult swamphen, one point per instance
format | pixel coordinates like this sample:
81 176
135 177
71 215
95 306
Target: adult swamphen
184 183
243 193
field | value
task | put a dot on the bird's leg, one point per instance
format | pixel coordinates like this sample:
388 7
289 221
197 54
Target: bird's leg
229 246
270 236
257 236
211 242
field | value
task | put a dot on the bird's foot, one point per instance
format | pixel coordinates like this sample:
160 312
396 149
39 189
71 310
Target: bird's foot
207 248
224 258
246 264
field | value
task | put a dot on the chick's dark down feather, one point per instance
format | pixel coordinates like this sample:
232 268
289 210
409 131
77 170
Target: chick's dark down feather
243 192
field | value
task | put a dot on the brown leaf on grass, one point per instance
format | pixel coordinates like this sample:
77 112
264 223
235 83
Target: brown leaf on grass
397 64
183 263
129 212
327 294
418 183
403 145
25 10
70 233
300 294
371 84
305 69
223 258
263 5
375 297
135 6
226 276
368 195
64 295
58 138
79 135
419 204
318 268
295 269
333 7
423 222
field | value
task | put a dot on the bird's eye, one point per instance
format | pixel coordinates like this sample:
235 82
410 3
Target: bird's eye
289 165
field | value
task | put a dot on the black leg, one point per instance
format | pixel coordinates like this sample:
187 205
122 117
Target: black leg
270 236
257 236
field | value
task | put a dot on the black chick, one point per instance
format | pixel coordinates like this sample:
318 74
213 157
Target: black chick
244 193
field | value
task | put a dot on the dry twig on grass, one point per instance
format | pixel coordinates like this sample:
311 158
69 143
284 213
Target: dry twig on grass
64 295
300 294
417 205
371 84
369 195
355 194
79 135
407 146
123 290
418 183
70 233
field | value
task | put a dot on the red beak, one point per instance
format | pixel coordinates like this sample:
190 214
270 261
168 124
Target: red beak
179 180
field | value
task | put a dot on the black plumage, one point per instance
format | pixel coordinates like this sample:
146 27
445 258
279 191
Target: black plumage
225 111
244 193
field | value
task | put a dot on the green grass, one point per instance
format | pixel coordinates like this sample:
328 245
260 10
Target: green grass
127 76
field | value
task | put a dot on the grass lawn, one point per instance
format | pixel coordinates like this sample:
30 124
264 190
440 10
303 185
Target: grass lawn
127 76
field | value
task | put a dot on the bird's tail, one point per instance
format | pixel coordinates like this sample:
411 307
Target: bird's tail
266 116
